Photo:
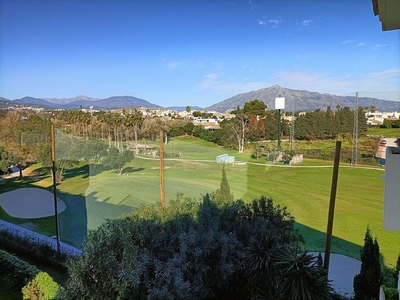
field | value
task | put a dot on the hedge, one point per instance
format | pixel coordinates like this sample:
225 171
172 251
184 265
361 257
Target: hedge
15 272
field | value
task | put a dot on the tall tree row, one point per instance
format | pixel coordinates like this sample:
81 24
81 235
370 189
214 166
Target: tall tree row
328 124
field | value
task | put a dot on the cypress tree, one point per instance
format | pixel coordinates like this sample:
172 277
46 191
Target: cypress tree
397 270
367 283
223 194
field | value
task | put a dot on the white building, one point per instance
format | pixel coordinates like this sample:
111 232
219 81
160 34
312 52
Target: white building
391 204
377 117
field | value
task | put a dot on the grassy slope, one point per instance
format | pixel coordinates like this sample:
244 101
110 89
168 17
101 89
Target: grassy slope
305 190
386 132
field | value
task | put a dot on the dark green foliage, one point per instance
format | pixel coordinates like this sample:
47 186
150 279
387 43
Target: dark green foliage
6 159
367 283
116 159
223 194
15 272
302 278
188 128
271 125
328 125
255 107
93 150
204 115
35 249
397 269
391 293
189 250
336 296
204 134
396 124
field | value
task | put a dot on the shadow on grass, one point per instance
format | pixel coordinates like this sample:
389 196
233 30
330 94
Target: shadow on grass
82 171
131 170
82 213
10 184
315 242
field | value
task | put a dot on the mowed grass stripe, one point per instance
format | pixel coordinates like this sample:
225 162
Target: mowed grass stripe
303 189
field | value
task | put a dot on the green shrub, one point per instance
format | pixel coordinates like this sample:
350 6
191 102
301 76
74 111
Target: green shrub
390 293
14 271
366 284
197 250
33 248
42 287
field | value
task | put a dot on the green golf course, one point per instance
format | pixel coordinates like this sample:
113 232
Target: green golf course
92 193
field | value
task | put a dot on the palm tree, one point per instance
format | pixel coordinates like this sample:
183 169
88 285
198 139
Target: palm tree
100 117
303 278
109 121
279 273
133 120
137 121
262 267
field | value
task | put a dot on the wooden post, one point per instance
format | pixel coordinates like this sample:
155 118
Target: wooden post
53 160
162 192
332 206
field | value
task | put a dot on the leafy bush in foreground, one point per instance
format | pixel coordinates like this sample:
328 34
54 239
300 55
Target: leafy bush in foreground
15 273
33 247
193 250
42 287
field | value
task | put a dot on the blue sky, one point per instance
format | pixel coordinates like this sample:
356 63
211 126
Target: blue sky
189 52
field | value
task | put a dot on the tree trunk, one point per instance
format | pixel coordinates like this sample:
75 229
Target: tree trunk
136 141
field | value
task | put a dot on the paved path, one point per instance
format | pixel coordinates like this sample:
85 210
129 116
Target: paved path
342 270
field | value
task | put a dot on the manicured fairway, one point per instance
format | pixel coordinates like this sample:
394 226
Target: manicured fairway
92 194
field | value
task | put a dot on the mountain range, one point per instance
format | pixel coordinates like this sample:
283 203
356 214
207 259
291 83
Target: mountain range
302 100
295 100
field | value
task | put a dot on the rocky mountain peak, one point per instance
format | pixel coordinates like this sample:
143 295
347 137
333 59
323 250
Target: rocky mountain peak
83 97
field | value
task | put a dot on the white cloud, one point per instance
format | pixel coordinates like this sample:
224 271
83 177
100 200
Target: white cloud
361 44
383 84
346 42
378 46
173 65
306 23
261 22
275 22
215 82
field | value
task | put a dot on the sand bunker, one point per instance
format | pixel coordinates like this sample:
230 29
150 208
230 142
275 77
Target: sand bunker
30 203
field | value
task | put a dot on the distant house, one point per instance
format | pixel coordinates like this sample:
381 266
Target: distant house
377 117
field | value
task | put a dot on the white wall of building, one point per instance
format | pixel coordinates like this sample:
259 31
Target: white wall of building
391 204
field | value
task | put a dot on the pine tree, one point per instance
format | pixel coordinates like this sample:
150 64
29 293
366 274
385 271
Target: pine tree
223 194
367 283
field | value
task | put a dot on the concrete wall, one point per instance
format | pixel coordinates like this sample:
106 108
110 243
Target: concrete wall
391 205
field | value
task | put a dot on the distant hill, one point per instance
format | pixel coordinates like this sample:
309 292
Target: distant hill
304 100
36 101
85 102
111 103
64 101
183 108
4 103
